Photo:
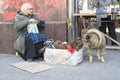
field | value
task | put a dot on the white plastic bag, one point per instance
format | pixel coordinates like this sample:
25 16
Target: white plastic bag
61 56
76 58
32 28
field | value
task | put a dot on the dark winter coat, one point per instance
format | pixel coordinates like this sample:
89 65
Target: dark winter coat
20 26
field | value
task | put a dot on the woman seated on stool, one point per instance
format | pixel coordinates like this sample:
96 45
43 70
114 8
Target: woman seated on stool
27 44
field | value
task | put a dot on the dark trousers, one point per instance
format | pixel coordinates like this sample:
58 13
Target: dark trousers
32 50
111 29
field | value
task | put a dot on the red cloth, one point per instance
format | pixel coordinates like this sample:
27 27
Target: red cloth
70 49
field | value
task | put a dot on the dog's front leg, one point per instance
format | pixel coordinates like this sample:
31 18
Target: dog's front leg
102 52
90 54
98 53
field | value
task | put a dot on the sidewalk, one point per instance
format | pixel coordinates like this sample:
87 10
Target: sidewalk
84 71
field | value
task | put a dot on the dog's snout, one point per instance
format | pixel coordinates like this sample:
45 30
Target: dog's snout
87 37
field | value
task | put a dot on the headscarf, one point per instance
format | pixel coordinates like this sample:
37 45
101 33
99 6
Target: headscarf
25 8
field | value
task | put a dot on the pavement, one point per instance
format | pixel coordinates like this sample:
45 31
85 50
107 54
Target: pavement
83 71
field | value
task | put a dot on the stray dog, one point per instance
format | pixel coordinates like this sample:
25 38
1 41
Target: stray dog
94 39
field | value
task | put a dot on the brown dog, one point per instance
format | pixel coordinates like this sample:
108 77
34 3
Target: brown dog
94 39
59 45
76 44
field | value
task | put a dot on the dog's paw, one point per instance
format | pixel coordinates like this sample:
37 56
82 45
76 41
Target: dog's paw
90 59
102 59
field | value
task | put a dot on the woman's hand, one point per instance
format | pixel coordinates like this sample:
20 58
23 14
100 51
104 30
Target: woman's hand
33 21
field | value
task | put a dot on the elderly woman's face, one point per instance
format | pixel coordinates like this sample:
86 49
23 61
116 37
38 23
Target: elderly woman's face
31 11
27 9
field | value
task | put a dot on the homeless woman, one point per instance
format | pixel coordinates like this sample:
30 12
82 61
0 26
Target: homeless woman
27 44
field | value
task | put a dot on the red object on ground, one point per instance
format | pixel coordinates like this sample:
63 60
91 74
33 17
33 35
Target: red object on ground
71 50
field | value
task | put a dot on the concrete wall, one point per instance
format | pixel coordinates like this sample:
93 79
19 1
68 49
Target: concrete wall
6 38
